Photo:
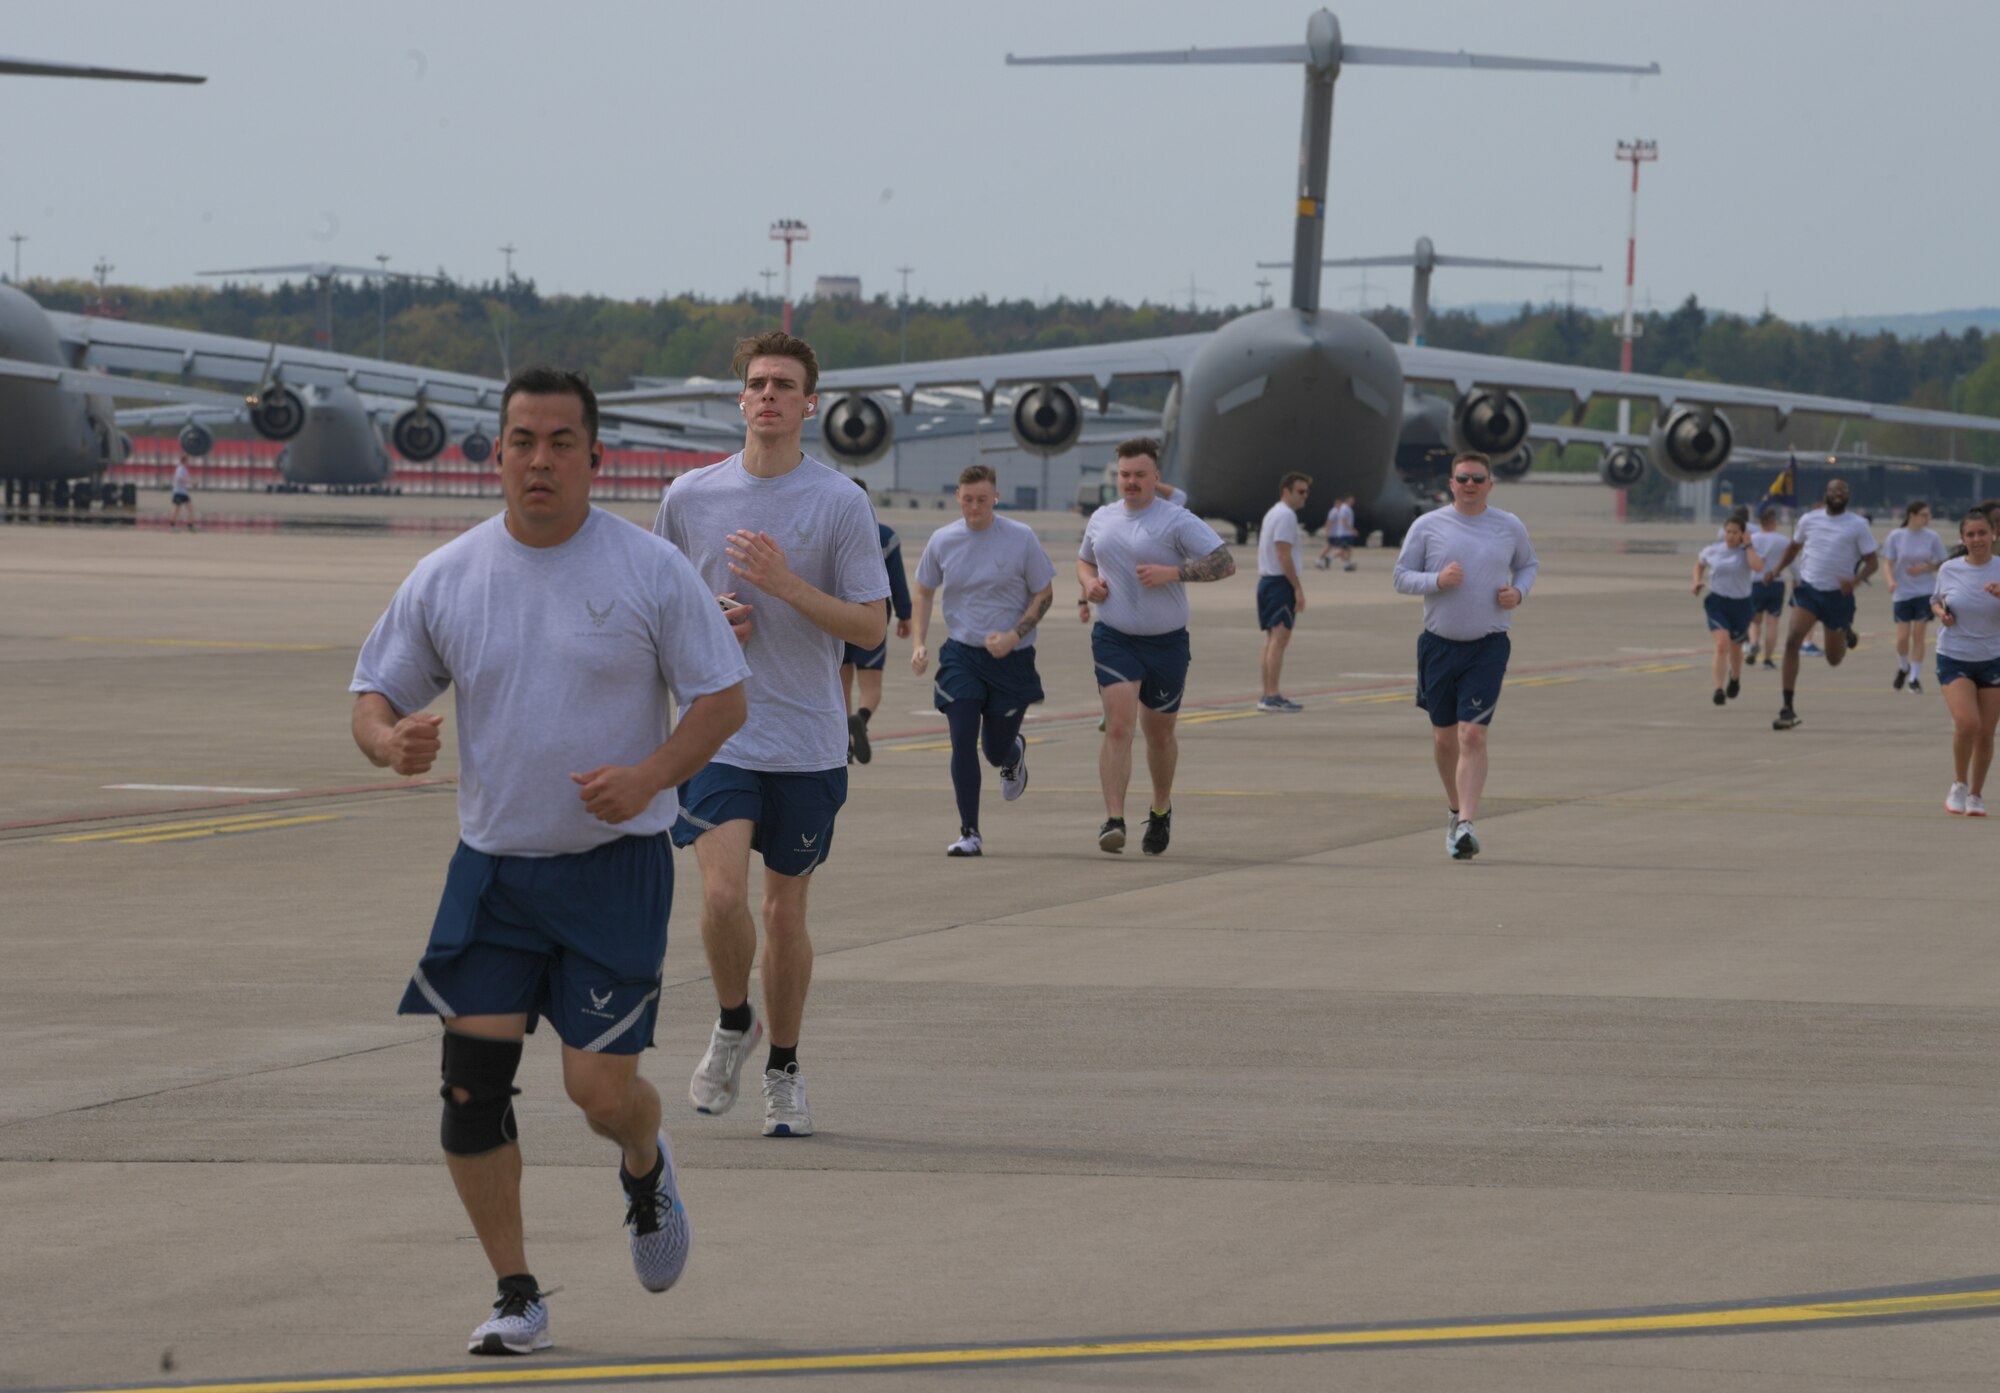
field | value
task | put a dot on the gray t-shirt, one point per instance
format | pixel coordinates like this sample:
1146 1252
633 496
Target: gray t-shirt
823 522
1907 547
1831 546
562 659
1975 636
1493 550
1281 524
1118 541
987 577
1729 574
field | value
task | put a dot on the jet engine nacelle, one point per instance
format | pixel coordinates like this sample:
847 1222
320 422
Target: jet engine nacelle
278 413
419 435
1621 466
1516 465
196 439
1046 419
1493 423
1689 446
856 430
476 447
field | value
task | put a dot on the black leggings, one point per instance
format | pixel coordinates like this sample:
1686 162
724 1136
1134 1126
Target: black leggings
966 740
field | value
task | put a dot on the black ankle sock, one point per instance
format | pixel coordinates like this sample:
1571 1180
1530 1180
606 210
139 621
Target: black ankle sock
865 712
737 1018
1788 698
643 1183
520 1281
782 1057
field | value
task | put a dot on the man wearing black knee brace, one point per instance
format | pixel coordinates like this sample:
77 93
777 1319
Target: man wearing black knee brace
566 632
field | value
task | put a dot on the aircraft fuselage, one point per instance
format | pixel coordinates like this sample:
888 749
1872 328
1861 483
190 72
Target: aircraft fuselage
339 443
1276 390
46 432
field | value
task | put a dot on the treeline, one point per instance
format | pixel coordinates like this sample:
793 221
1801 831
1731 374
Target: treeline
461 326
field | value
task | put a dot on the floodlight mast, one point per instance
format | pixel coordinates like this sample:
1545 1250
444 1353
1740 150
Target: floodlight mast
1636 152
1323 54
788 231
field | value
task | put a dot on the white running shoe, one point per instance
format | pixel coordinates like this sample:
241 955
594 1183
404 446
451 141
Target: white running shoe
657 1223
714 1085
1975 806
1451 835
1014 776
1467 845
785 1110
1955 801
968 844
519 1324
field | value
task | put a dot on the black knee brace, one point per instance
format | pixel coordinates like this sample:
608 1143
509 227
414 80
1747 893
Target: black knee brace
484 1070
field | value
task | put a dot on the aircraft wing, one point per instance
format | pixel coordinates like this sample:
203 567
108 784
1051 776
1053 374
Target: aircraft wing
39 67
122 346
1464 371
100 384
1099 363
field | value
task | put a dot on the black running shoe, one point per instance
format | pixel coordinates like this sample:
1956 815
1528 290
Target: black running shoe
1853 639
1787 718
1902 676
1111 836
1771 664
1719 697
1159 826
857 739
1735 689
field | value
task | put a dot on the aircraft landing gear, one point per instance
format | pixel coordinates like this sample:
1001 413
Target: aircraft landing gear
1242 533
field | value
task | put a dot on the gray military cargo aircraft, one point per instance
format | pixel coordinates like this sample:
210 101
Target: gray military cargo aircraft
1304 387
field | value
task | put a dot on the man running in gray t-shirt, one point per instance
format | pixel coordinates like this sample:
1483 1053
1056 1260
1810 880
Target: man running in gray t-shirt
796 544
563 631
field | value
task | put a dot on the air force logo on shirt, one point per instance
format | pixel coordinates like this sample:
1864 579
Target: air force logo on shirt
599 617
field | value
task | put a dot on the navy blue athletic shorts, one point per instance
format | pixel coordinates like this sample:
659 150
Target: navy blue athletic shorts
1157 662
1830 607
1345 539
1002 686
1915 610
1458 680
867 659
1274 602
791 815
1733 617
577 938
1767 596
1986 674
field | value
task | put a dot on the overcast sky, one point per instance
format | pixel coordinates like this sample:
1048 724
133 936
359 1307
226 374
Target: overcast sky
1824 154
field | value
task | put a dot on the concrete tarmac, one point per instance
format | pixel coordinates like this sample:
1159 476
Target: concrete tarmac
1711 1023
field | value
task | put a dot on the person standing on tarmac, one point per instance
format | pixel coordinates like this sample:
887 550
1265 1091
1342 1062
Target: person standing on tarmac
1281 596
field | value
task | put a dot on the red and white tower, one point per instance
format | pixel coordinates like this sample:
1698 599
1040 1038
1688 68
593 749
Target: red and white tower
1637 152
788 231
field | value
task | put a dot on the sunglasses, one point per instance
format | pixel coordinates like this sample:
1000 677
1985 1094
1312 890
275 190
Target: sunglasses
1470 479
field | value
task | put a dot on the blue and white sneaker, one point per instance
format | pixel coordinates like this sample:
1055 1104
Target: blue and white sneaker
1464 845
519 1323
717 1078
1277 703
657 1223
785 1110
1014 774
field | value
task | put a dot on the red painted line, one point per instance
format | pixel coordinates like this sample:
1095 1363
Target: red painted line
303 795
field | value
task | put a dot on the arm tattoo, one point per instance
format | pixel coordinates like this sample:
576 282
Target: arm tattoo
1037 607
1217 565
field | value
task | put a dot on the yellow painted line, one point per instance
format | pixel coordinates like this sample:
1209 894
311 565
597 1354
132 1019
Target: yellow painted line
1544 681
1212 717
122 832
1657 667
231 829
946 744
1545 1328
1386 696
205 643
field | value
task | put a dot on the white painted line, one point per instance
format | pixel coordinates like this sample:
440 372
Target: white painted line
196 788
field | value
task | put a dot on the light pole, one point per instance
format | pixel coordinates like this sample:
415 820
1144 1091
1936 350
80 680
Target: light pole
17 238
788 231
903 316
1637 152
506 313
382 310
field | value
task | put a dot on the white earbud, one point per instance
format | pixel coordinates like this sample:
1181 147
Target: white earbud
811 409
